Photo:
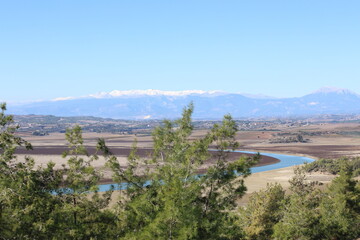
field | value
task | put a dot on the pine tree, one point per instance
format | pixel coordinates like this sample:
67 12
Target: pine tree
45 203
26 202
166 199
83 217
301 216
340 208
262 212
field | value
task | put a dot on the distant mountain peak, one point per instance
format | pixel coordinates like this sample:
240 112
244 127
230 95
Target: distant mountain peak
333 90
148 92
202 93
157 104
62 99
153 92
257 96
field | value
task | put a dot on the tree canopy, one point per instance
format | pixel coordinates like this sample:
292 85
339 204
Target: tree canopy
165 196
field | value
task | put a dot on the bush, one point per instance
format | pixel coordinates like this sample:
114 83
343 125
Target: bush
334 166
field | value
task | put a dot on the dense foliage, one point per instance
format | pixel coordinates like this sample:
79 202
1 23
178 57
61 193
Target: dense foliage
289 139
334 166
165 198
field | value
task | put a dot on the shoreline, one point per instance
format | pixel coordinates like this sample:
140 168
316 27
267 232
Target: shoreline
46 154
264 161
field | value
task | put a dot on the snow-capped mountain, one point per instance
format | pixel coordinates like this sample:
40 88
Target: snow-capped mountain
333 90
148 92
156 104
152 92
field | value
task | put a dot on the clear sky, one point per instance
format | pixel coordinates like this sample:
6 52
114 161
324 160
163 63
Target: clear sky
62 48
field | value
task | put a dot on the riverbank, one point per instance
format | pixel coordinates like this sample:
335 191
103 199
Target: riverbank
43 155
53 152
258 181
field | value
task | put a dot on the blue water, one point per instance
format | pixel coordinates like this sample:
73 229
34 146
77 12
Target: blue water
285 161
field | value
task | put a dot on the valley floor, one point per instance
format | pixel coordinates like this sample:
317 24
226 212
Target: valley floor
334 140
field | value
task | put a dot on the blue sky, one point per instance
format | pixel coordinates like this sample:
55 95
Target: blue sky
52 49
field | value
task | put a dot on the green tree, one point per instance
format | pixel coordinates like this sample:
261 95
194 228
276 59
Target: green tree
301 216
44 203
26 202
166 199
83 217
262 212
340 208
221 186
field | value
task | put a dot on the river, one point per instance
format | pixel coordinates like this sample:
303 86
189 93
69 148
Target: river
285 161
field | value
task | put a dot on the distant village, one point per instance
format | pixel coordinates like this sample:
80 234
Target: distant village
41 125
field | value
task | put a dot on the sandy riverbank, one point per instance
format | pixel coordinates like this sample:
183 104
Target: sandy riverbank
258 181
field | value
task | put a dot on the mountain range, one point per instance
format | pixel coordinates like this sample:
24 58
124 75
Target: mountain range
156 104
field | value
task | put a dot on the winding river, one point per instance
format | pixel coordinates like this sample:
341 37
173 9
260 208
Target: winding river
285 161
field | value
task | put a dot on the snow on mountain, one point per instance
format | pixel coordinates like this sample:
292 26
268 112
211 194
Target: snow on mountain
257 96
150 104
333 90
148 92
62 99
153 92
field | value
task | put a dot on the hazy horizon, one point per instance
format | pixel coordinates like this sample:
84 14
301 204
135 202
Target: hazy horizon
153 92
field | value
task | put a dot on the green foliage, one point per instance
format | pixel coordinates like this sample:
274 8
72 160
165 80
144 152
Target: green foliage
300 211
178 204
165 198
298 138
340 208
26 202
313 214
262 212
33 201
83 217
80 175
334 166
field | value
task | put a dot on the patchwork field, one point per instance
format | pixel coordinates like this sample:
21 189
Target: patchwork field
330 140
